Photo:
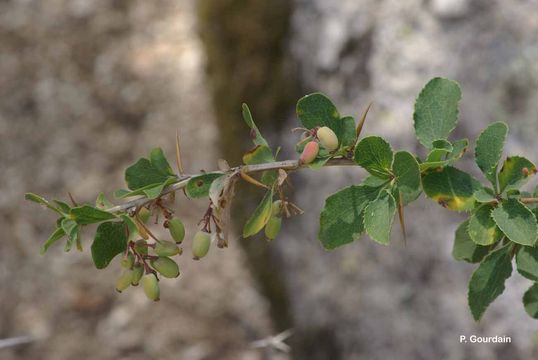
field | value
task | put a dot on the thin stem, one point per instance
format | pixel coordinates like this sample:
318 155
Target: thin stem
529 200
182 181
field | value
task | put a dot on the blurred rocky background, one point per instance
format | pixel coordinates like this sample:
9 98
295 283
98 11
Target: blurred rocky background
87 87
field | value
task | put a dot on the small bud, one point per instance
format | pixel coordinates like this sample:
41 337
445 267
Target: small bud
166 248
124 281
525 171
141 247
272 228
144 214
166 267
327 138
127 261
310 152
138 272
200 244
177 230
151 286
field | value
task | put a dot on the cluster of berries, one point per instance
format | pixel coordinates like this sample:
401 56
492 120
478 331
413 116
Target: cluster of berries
323 136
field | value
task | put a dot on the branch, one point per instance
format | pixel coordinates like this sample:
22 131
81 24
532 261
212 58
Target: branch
182 181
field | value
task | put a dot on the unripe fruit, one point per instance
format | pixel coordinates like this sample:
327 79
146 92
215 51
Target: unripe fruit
200 244
151 287
144 214
138 272
327 138
166 248
141 247
272 228
124 281
127 261
276 209
166 267
310 152
177 230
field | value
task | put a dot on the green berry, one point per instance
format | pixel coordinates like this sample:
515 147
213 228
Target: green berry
272 228
177 230
166 267
141 247
200 244
276 208
138 272
327 138
124 281
127 261
166 248
150 284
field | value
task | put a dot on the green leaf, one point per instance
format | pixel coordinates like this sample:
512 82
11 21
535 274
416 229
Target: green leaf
374 181
143 173
482 228
527 262
53 238
198 186
515 173
375 155
131 227
516 221
451 188
72 230
464 248
153 192
85 215
256 136
260 216
459 147
341 220
378 218
121 193
489 148
436 110
442 144
530 301
347 137
487 282
159 162
110 240
436 156
440 149
102 202
41 201
484 195
62 206
318 110
407 175
258 155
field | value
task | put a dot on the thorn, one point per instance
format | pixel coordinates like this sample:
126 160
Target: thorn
72 199
362 120
251 180
274 342
401 218
179 164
